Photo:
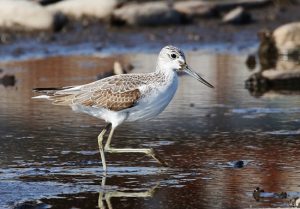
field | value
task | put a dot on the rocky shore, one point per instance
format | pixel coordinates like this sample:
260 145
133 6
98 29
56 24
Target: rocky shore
48 27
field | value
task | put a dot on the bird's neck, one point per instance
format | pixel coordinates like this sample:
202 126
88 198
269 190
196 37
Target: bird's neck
165 72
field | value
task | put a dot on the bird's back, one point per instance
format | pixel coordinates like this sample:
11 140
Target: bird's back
114 93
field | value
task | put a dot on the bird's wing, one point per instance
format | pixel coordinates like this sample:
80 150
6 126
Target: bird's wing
114 93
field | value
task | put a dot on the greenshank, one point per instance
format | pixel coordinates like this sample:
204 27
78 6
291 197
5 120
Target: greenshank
126 97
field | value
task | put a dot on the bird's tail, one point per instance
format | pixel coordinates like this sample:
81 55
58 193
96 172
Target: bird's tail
46 93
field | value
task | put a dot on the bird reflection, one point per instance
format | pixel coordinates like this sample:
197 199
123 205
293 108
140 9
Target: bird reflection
105 195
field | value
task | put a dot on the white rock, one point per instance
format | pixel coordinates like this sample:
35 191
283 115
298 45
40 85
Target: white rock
237 16
24 15
118 68
100 9
287 37
195 8
150 13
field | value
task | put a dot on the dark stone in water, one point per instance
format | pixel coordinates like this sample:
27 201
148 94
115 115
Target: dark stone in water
256 193
47 2
251 62
59 21
238 164
31 205
8 80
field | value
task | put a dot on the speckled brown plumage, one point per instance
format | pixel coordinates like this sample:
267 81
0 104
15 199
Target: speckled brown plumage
114 93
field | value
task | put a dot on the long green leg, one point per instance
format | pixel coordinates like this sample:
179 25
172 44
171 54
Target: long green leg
149 152
101 150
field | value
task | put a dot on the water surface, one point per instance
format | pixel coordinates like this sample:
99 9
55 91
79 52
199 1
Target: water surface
49 154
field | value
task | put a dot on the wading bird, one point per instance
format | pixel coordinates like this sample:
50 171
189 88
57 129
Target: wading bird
126 98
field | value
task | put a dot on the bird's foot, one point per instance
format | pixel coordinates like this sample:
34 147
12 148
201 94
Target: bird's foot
159 160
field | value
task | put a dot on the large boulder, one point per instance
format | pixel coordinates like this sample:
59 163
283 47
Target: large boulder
284 40
100 9
287 37
146 14
24 15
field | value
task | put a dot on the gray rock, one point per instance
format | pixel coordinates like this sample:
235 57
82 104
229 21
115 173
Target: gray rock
146 14
237 16
222 5
287 38
196 8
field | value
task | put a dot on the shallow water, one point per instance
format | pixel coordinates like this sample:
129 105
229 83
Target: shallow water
49 154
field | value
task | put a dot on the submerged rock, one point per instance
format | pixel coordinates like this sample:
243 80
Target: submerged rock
236 164
146 14
237 16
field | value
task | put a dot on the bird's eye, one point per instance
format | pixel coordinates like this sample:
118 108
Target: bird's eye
173 56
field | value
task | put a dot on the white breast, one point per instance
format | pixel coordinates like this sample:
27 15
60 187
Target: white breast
156 98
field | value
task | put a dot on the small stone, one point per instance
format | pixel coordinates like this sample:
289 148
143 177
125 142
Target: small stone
251 62
8 80
237 16
59 21
238 164
256 193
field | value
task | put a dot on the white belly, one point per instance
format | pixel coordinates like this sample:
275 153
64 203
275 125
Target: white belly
154 102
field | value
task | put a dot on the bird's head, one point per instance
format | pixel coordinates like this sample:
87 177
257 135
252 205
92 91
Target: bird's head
172 58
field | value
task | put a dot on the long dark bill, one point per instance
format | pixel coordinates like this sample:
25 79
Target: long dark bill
197 76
